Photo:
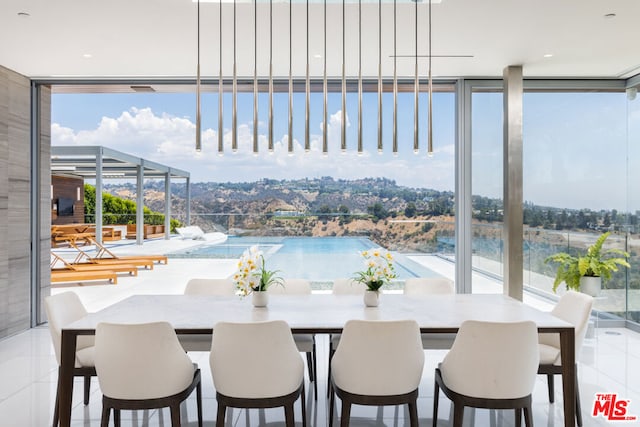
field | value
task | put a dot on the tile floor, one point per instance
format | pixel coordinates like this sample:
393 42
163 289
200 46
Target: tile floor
609 363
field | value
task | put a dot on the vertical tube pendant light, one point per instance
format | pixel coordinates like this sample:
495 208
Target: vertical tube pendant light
343 124
324 87
290 137
416 137
234 118
359 76
198 116
220 96
395 83
255 76
271 76
380 76
430 129
307 141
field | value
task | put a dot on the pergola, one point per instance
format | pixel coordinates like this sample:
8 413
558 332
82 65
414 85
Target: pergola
99 163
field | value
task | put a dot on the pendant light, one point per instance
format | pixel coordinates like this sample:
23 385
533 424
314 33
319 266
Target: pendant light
324 87
380 76
255 76
234 118
220 96
430 123
395 83
307 141
416 137
290 137
359 76
343 124
270 76
198 116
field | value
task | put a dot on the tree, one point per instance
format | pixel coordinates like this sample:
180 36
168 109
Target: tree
410 210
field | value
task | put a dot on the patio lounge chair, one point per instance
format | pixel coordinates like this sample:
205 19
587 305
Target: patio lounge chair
58 276
84 258
116 268
104 253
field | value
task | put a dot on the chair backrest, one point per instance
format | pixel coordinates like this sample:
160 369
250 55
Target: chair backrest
63 309
493 360
210 287
141 361
575 308
255 360
378 358
347 287
292 287
428 286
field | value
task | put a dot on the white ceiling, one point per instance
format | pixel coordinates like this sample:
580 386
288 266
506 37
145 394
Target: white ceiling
157 39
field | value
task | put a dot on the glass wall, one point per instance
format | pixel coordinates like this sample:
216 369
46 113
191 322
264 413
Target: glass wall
633 203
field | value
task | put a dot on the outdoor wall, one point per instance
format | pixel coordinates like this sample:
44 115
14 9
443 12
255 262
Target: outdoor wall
68 188
15 202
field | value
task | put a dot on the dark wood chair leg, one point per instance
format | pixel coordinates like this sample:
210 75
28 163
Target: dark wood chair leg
174 409
87 388
331 351
56 411
288 415
332 403
345 414
199 403
413 414
518 415
528 419
315 371
116 417
310 366
106 411
222 410
458 414
436 393
303 404
551 388
578 410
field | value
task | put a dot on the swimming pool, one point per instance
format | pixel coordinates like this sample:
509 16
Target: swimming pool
313 258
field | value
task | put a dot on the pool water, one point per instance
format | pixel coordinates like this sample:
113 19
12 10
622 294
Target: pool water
312 258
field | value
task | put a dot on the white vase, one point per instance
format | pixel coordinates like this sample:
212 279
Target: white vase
591 285
371 298
259 298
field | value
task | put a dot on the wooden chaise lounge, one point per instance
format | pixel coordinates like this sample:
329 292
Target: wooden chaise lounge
58 276
103 254
67 266
84 258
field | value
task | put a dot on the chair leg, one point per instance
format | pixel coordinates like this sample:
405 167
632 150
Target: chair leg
288 415
458 414
413 413
56 411
332 402
174 409
345 414
106 411
87 388
436 392
221 414
518 414
528 419
199 402
578 410
315 370
303 405
550 387
116 417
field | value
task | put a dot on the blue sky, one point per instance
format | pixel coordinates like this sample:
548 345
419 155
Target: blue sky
575 144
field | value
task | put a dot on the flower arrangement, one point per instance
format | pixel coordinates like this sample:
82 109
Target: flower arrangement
379 271
252 276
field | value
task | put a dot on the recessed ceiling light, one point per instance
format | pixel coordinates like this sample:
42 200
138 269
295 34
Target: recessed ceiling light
87 55
24 14
317 55
548 55
609 15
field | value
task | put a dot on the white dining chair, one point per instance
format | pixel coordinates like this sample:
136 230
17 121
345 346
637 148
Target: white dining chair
306 343
432 286
143 366
256 365
574 308
63 309
377 363
491 365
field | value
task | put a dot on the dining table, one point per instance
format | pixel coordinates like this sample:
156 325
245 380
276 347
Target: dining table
317 314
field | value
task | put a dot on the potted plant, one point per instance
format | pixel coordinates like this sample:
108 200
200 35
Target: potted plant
253 278
379 270
587 272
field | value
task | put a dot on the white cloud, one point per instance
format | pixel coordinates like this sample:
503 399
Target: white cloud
170 140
